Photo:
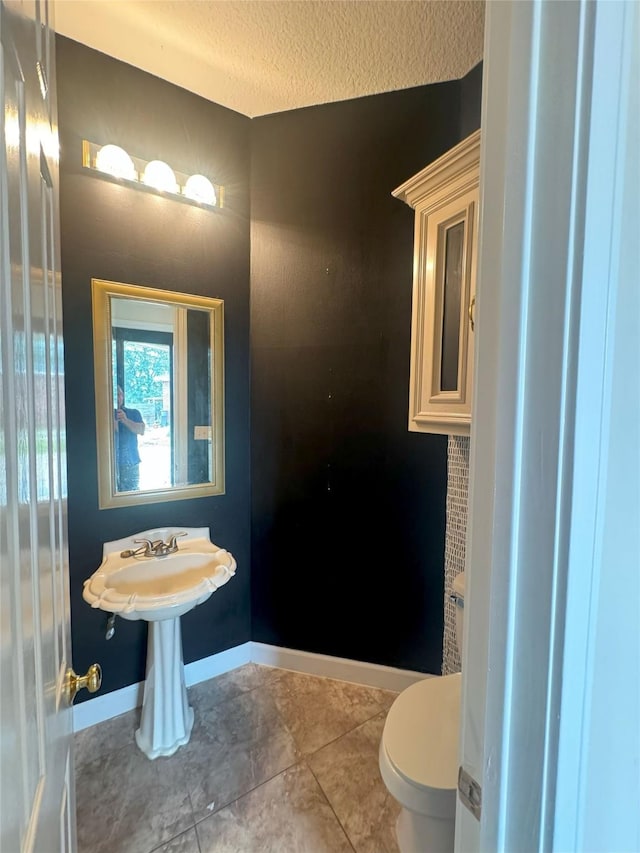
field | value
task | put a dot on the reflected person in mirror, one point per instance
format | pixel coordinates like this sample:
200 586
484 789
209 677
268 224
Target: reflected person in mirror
127 425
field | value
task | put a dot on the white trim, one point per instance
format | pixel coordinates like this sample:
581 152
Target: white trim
598 784
202 670
343 669
371 675
127 698
540 89
104 707
434 179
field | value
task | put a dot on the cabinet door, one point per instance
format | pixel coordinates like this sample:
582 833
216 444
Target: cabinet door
442 335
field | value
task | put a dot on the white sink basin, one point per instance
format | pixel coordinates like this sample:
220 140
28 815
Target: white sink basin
159 589
155 588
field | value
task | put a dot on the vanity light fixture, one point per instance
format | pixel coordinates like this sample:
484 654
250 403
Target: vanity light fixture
112 161
115 161
160 176
200 189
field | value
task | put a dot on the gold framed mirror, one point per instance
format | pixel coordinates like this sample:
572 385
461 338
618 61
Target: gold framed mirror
159 394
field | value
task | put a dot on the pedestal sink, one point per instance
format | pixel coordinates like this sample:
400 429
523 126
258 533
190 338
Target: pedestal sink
159 588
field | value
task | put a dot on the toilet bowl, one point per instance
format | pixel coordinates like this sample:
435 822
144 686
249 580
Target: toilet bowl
418 756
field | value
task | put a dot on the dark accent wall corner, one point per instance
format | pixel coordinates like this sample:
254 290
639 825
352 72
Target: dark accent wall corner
119 234
471 101
348 507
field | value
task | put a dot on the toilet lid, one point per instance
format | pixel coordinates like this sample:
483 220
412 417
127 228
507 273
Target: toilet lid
421 732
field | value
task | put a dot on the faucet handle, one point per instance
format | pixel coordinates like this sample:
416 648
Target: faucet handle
149 545
172 540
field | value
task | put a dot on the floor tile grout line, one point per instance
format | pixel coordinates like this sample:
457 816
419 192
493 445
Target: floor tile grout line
110 752
344 734
245 793
173 838
237 695
330 804
381 710
301 762
195 825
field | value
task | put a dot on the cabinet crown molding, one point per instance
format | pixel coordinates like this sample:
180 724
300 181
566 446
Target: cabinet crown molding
463 158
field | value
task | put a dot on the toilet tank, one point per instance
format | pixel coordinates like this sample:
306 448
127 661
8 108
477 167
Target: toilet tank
458 597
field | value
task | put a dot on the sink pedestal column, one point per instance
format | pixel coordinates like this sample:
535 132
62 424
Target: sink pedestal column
167 719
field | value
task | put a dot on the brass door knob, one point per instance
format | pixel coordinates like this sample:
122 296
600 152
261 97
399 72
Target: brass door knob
92 681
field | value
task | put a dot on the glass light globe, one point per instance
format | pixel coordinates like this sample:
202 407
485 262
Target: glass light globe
200 189
115 161
160 176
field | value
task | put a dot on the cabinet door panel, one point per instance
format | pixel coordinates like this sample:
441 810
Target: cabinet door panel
453 239
445 198
442 340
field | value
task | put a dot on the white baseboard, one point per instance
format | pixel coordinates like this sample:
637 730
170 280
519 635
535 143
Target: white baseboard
203 670
127 698
372 675
343 669
102 708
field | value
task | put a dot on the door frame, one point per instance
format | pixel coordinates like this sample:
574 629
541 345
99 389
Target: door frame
555 121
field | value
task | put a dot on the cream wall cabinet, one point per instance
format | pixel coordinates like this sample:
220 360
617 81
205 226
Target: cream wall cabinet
445 198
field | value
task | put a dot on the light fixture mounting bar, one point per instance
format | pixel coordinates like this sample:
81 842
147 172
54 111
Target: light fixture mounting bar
114 163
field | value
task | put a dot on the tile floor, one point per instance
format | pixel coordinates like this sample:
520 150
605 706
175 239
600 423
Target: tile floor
278 762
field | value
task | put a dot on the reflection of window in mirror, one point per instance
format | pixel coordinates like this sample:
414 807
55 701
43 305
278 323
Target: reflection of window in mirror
159 355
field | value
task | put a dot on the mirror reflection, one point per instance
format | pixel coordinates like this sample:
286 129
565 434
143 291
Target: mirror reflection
159 381
127 426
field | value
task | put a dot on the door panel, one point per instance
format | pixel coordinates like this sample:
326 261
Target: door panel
36 771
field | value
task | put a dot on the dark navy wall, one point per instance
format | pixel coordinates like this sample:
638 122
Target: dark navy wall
348 507
470 101
117 233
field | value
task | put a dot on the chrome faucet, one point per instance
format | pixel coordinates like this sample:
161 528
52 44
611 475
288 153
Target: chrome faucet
157 548
161 549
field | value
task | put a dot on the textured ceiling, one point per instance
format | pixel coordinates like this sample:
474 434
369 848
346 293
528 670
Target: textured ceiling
266 56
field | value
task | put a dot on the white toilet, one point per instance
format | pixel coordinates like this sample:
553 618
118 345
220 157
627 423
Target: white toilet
419 755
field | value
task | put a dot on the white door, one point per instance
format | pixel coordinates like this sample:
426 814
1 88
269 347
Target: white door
550 655
36 776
